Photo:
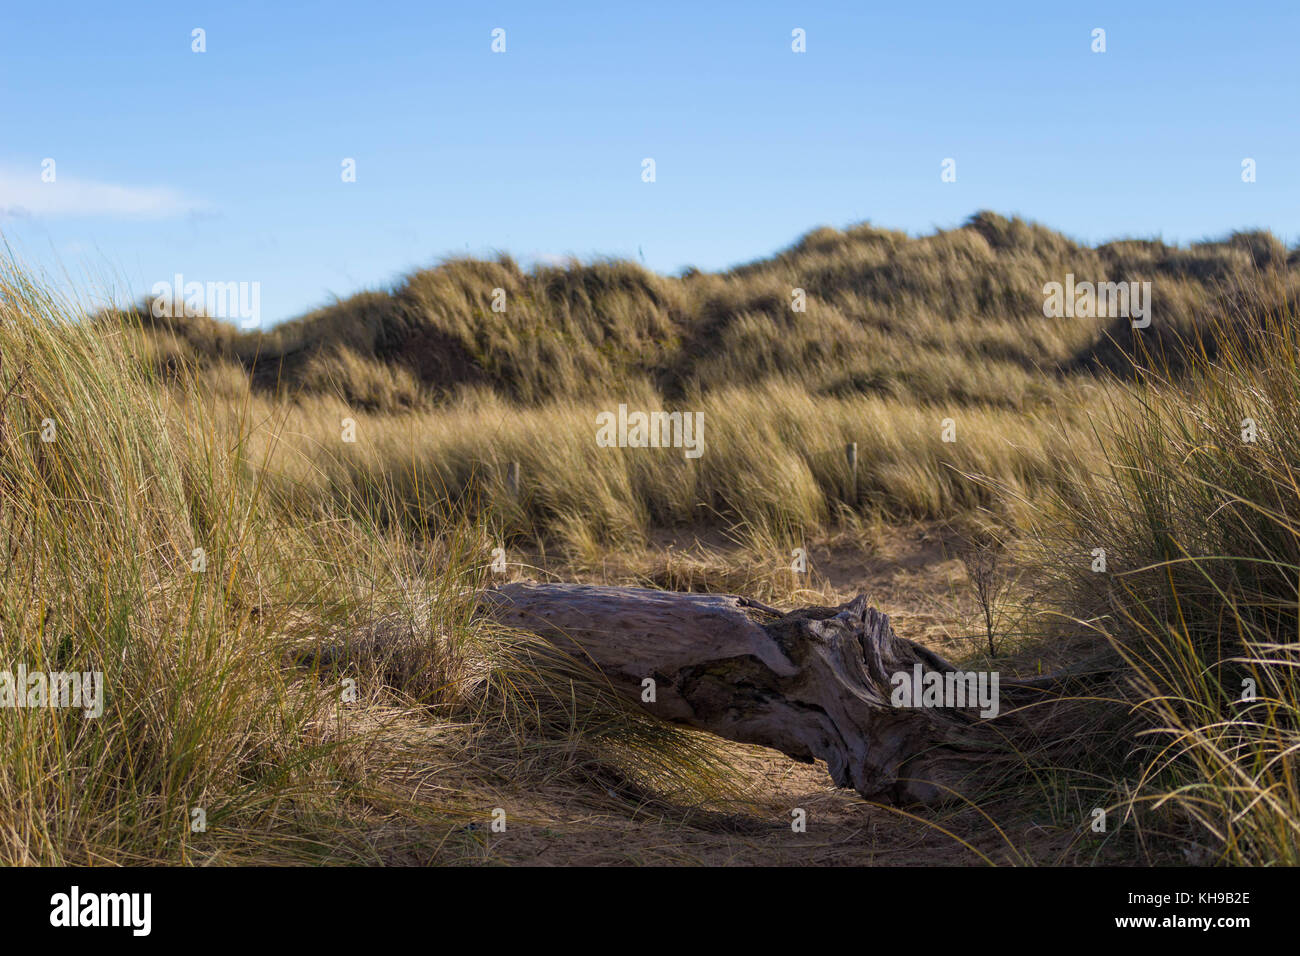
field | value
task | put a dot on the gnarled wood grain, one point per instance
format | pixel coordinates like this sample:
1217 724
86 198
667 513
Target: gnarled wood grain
811 683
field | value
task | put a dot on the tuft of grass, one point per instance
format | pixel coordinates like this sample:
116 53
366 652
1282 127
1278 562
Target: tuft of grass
1198 511
282 662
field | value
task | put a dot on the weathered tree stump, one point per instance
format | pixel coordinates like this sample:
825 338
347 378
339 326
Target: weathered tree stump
816 682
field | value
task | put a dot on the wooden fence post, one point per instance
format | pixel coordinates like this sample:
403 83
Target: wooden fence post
851 453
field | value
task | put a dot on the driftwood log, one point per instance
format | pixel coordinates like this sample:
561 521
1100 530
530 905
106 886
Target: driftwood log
811 683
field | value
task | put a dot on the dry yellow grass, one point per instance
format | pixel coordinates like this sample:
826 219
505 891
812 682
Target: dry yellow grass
328 560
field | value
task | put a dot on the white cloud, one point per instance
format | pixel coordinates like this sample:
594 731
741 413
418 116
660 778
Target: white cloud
24 196
554 259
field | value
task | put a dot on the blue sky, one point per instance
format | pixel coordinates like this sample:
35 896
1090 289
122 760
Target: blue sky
225 165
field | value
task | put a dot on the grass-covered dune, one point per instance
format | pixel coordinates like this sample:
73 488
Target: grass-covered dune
899 336
956 316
